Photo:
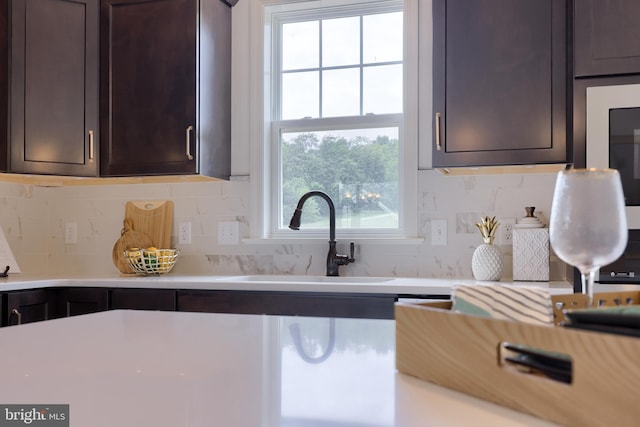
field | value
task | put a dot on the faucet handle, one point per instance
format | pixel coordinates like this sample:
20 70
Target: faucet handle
352 250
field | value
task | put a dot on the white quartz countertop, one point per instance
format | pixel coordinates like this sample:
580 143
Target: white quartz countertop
346 284
142 368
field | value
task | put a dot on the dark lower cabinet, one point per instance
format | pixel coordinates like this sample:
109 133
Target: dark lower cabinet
49 303
369 306
607 37
499 82
143 299
28 306
76 301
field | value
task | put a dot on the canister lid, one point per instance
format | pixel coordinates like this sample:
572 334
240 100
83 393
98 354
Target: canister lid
529 220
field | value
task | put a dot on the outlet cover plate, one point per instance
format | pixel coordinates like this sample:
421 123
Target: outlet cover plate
505 232
70 233
228 233
439 232
184 233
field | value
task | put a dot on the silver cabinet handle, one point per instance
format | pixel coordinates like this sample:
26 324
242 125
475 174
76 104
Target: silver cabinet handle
15 312
91 145
438 145
189 129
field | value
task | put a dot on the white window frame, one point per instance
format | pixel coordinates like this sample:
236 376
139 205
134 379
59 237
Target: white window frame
263 170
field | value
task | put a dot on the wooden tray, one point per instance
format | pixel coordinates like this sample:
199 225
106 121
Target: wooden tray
466 353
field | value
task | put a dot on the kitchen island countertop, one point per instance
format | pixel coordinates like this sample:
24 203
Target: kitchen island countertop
141 368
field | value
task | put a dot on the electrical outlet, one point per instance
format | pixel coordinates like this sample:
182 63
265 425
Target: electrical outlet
228 233
184 233
439 232
506 231
70 233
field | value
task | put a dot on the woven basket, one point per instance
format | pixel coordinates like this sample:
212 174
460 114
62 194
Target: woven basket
146 262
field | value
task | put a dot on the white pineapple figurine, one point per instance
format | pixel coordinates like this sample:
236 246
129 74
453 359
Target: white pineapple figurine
486 263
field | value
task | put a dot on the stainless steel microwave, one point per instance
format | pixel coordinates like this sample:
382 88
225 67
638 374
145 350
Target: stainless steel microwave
613 139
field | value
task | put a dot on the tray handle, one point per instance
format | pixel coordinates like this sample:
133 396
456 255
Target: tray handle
528 360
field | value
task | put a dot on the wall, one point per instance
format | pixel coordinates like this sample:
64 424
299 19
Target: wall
33 220
26 224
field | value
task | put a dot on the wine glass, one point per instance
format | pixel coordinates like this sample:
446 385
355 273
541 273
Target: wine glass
588 224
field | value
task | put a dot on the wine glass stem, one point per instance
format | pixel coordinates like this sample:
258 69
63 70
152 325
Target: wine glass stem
587 284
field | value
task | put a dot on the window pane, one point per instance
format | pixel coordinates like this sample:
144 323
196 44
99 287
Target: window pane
300 95
341 41
357 168
382 37
300 45
382 87
341 92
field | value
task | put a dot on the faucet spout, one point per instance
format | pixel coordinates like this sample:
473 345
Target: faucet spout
333 259
294 224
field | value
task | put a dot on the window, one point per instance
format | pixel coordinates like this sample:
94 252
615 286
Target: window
335 106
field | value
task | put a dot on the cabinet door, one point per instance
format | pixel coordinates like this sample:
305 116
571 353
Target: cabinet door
143 299
4 84
367 306
27 306
148 86
54 87
75 301
607 37
499 82
214 116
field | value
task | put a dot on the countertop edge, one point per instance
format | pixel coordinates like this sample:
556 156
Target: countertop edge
391 285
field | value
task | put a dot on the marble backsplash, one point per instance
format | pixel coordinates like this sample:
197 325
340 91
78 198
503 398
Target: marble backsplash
33 219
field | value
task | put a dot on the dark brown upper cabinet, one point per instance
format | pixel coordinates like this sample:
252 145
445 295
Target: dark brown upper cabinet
499 82
4 84
165 87
54 87
607 37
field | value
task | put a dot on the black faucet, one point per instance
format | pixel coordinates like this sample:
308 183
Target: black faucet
333 259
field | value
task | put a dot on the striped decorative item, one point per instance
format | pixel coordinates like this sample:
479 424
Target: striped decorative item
528 304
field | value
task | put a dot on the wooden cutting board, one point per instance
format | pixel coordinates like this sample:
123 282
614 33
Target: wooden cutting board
153 218
129 238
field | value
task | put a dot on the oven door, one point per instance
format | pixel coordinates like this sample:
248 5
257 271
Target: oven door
613 139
